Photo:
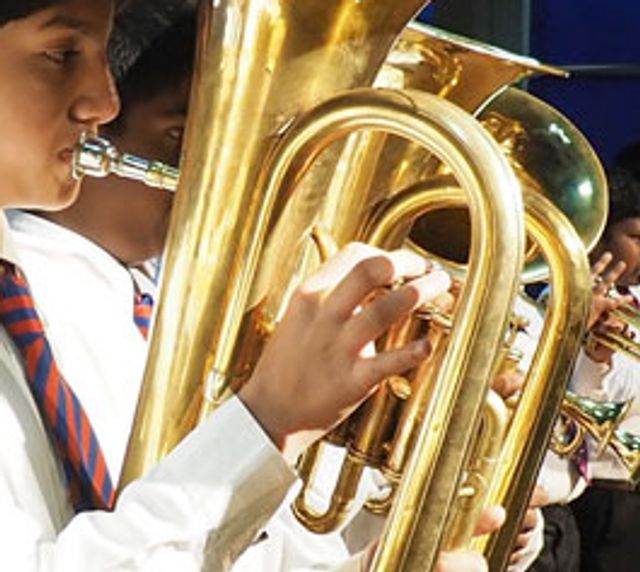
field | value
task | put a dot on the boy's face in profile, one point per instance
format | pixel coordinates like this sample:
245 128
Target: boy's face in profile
54 84
623 241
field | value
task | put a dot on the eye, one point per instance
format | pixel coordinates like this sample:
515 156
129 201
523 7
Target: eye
61 56
175 133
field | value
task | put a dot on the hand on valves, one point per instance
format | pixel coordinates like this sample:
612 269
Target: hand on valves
319 364
601 321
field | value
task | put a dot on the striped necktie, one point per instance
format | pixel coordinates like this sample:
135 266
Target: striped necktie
142 308
82 459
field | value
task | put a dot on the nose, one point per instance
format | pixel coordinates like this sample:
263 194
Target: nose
98 101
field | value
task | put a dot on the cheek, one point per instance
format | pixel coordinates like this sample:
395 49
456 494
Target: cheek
28 121
629 252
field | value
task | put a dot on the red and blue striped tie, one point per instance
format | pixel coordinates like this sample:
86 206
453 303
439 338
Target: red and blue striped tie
143 306
84 465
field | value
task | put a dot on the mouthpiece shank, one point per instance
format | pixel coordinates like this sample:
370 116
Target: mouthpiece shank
97 157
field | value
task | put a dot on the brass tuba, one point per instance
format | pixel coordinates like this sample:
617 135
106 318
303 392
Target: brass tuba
530 132
274 95
248 198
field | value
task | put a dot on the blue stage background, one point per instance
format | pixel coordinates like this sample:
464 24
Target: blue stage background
589 33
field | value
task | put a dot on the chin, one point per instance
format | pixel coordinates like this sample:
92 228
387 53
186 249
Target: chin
62 196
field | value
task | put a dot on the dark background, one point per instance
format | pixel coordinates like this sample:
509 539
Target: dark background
599 41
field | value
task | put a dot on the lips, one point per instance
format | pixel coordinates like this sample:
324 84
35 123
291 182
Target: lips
66 154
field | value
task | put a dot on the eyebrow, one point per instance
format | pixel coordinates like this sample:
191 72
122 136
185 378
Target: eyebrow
177 110
67 22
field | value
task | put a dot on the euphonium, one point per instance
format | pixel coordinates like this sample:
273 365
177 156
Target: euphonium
429 60
256 125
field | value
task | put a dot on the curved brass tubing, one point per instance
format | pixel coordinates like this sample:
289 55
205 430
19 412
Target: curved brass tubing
259 65
549 373
530 428
436 456
600 419
627 447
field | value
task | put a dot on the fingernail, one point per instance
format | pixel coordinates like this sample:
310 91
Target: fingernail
421 347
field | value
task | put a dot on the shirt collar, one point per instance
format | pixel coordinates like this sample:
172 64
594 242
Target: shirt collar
8 249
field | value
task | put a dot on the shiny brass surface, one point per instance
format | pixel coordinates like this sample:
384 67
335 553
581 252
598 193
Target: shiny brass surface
97 157
600 419
532 423
627 447
462 70
549 155
629 316
258 66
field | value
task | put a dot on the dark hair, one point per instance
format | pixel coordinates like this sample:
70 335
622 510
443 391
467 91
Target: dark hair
165 62
16 9
624 195
628 158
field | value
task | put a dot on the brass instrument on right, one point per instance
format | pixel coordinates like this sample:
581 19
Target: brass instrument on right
627 447
520 123
581 416
627 314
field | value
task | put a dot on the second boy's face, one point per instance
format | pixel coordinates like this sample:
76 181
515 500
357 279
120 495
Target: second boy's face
623 241
130 218
54 84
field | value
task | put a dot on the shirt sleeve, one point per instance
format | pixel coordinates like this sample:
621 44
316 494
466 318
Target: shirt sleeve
219 486
588 377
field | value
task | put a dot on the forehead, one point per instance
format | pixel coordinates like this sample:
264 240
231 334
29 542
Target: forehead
171 102
629 225
92 18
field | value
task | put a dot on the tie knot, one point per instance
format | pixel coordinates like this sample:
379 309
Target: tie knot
17 311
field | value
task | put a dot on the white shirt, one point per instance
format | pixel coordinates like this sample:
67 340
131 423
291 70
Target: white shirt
603 382
162 520
85 299
73 279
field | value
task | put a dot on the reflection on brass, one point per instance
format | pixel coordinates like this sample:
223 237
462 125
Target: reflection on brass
600 419
629 315
97 157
